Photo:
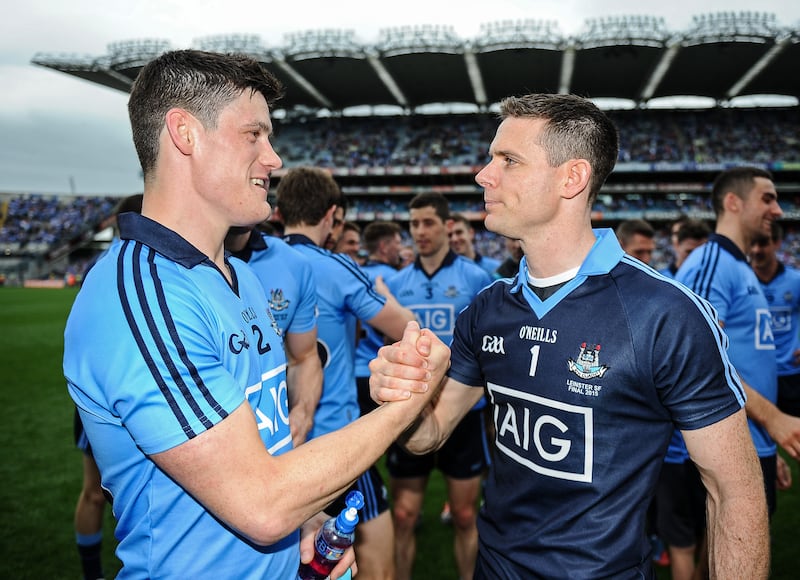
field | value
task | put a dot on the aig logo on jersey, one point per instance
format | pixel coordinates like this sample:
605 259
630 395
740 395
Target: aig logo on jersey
440 318
546 436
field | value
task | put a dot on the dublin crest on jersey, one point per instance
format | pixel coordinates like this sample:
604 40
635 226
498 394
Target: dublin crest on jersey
277 302
588 364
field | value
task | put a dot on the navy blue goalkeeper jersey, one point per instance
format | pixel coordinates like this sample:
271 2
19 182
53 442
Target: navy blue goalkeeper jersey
585 390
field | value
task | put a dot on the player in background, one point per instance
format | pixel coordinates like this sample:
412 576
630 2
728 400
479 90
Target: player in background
686 234
307 200
637 238
383 241
781 285
462 242
349 242
436 287
288 280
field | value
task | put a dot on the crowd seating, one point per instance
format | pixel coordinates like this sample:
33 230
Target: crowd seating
651 137
650 141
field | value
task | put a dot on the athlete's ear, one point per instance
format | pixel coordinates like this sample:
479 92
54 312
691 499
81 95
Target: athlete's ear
181 127
731 202
577 175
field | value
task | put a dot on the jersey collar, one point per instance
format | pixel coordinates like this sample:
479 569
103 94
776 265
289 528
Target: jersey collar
604 255
728 245
136 227
295 239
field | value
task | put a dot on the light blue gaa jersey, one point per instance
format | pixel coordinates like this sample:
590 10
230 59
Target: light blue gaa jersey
436 300
487 263
288 279
718 271
585 390
783 296
344 293
158 349
371 340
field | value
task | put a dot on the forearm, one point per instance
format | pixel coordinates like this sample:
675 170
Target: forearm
304 389
738 537
758 407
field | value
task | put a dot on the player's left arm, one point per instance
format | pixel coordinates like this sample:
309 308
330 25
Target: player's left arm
391 320
738 526
782 427
303 382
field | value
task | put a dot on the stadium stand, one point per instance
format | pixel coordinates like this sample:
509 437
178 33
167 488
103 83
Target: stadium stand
440 92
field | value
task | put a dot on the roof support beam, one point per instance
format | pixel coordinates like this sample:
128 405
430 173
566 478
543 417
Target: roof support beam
475 77
567 68
661 69
307 86
760 65
387 80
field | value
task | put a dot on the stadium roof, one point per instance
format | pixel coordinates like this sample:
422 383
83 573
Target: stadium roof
721 56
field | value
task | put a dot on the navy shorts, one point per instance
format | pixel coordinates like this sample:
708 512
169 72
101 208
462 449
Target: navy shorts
376 497
789 394
680 504
81 441
463 456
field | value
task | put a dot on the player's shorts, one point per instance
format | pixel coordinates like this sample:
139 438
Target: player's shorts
769 467
789 394
376 501
81 441
463 456
680 505
365 402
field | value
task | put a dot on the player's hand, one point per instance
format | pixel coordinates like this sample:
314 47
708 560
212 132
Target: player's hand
308 532
785 431
413 365
783 480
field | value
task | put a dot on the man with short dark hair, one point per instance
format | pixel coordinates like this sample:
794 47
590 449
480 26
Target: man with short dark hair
181 383
462 242
637 238
589 360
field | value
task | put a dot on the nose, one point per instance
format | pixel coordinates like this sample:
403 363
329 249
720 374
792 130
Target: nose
269 158
483 177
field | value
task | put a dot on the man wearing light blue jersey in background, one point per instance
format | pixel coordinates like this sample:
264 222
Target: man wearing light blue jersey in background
174 360
436 287
308 199
781 285
288 280
746 203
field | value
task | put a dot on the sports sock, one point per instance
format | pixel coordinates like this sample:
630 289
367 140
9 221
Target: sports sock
90 550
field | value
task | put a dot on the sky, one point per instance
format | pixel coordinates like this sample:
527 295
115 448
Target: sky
62 135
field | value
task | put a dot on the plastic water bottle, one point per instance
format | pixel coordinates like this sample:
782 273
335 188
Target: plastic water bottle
335 536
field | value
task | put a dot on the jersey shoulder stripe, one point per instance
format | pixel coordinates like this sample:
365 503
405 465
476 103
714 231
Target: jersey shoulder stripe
135 298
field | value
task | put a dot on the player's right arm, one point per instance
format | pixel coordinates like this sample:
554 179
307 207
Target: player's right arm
738 525
264 497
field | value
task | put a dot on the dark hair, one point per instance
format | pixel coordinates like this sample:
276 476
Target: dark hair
461 218
737 180
131 203
202 83
575 129
693 229
432 199
305 194
629 228
377 231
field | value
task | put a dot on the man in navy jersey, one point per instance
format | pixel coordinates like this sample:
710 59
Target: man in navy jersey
307 200
436 287
781 285
589 360
173 358
288 280
746 204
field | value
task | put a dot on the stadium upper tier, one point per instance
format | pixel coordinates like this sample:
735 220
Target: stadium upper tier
721 56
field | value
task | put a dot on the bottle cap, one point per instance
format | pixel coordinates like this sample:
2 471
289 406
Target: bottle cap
348 518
